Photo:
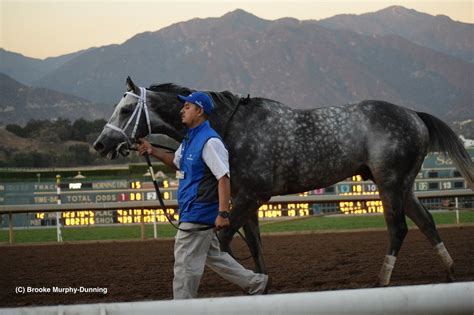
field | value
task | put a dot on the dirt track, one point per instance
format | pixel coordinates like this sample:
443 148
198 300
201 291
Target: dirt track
133 271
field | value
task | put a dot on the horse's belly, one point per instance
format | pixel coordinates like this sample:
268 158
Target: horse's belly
314 178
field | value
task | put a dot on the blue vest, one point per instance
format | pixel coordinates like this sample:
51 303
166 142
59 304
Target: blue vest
198 197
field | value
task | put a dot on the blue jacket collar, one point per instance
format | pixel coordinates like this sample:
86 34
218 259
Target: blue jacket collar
193 131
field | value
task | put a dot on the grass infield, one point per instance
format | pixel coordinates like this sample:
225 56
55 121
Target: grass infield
313 223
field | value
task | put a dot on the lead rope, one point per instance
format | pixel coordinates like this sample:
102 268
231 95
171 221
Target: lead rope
204 228
162 203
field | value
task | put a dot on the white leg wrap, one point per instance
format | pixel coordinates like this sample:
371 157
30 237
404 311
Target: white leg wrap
441 250
387 268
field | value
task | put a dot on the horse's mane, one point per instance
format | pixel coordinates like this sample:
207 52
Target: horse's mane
225 98
171 88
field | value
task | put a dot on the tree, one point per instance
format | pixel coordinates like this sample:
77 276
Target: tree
63 129
16 130
33 126
80 129
80 154
31 159
48 135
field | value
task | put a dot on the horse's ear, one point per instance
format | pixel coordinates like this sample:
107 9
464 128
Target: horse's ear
131 87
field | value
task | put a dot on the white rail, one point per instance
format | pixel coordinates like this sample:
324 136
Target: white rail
453 298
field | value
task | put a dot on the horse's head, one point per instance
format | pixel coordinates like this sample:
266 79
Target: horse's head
139 113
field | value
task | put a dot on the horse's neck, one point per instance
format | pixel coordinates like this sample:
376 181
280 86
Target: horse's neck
169 122
224 107
222 116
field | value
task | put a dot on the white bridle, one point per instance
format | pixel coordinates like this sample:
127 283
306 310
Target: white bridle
137 113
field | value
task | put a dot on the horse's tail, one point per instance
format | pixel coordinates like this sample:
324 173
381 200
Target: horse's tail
443 139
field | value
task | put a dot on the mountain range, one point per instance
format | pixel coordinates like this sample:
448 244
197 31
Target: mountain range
28 70
20 103
398 55
436 32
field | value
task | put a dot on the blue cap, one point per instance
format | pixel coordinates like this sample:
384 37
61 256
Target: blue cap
200 99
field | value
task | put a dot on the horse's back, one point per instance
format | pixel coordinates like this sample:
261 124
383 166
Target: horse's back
296 150
333 143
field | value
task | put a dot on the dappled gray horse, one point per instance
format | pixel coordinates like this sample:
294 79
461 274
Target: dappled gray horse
275 150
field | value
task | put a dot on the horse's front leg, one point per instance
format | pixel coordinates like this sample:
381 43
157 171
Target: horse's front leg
244 214
254 242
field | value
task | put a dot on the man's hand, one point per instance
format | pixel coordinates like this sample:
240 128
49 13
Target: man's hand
222 223
163 155
144 147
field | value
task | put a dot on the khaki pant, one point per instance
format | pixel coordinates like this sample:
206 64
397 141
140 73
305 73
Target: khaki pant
194 250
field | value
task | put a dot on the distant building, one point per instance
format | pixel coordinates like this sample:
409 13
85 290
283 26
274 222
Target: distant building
468 143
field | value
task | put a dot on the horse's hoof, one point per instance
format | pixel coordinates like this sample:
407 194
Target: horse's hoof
450 277
450 274
268 285
380 284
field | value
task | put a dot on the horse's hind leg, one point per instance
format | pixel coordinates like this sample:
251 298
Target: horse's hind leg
392 199
424 220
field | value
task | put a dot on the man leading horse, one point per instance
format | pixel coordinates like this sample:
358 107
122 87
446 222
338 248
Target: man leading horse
202 167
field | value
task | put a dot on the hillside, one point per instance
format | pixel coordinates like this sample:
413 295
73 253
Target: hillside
14 149
43 143
14 143
20 103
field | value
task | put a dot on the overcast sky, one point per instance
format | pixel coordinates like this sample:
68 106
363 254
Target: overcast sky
46 28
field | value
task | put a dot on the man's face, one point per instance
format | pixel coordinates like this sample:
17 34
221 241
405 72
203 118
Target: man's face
191 115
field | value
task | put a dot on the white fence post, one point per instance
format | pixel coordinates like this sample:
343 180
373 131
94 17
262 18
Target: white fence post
457 209
58 213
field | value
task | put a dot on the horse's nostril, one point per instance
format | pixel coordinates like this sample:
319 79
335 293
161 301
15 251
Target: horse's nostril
98 146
